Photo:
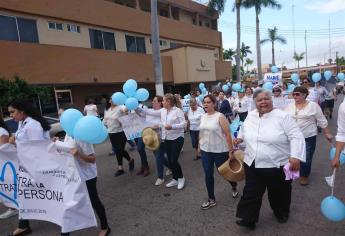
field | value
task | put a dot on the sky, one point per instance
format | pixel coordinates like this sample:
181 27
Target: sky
315 16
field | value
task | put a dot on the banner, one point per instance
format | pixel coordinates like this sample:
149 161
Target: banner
185 105
50 187
133 125
275 78
8 176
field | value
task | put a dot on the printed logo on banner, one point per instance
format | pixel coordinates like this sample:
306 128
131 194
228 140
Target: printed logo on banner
9 187
275 78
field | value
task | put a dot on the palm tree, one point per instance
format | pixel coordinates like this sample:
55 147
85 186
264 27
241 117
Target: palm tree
258 5
245 50
228 54
248 63
298 58
156 54
272 38
219 6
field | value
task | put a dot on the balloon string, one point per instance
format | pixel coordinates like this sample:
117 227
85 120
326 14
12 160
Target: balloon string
333 182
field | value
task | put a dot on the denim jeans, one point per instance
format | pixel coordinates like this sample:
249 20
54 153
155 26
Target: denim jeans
142 152
161 161
173 149
194 135
310 144
208 161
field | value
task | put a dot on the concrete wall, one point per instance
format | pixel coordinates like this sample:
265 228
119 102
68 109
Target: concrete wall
201 64
180 66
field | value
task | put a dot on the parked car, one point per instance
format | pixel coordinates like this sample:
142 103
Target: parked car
55 131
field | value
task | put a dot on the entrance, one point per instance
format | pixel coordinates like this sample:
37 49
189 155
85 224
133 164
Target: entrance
63 97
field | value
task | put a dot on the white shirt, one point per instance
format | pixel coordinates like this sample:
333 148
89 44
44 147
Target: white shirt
280 102
91 110
31 129
86 170
313 95
250 103
271 149
211 136
175 118
241 105
308 118
111 119
194 118
340 137
3 132
322 91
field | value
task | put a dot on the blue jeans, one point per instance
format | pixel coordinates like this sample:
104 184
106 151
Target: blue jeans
161 161
310 144
142 152
209 159
194 135
173 149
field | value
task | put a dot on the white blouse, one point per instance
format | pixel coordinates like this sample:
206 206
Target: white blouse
111 119
341 123
211 136
3 132
271 149
280 102
91 110
30 129
308 118
194 118
242 104
175 118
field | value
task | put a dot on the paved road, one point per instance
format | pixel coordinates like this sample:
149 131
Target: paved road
136 207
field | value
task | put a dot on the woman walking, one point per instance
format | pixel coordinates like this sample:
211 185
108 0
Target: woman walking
32 126
90 108
340 138
117 136
194 115
173 124
279 101
241 105
265 156
308 116
215 145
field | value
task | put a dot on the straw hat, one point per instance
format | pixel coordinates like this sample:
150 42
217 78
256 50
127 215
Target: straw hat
233 170
150 139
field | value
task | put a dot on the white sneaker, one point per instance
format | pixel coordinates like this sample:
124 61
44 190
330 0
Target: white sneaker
172 183
168 172
180 184
159 182
9 213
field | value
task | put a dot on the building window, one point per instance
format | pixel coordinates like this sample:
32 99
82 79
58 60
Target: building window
18 29
164 13
163 43
200 22
135 44
174 45
207 24
194 22
102 40
73 28
55 26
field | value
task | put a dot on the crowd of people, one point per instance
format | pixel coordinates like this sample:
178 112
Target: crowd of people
292 117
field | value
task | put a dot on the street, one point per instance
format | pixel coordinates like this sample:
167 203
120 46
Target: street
135 206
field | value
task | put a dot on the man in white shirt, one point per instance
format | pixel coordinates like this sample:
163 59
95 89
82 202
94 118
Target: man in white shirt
340 138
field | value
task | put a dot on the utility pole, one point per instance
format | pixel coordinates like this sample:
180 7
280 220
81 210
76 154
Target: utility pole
336 61
306 49
329 38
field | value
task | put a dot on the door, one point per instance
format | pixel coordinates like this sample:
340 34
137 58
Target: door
63 97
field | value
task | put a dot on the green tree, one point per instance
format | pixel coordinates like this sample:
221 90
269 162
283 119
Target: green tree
272 38
219 5
340 61
298 57
258 5
248 63
19 88
228 54
245 50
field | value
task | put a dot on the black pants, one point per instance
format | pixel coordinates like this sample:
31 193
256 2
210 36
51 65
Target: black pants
173 150
96 204
118 141
243 116
257 180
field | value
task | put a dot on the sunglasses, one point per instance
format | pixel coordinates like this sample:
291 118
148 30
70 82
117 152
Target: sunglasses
296 94
276 91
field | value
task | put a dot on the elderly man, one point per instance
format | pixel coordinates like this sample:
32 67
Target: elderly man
272 140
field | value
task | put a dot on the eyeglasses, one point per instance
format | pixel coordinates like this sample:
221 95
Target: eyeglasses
296 94
305 82
276 91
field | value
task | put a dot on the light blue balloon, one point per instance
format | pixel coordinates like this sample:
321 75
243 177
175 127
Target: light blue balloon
234 126
69 119
274 69
118 98
268 86
327 74
101 138
341 76
316 77
132 103
234 94
187 96
130 87
290 88
88 128
333 209
201 97
229 84
341 158
295 78
204 90
236 87
225 88
201 86
142 94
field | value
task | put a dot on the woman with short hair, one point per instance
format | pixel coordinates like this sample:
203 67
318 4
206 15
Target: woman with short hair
308 115
272 140
279 101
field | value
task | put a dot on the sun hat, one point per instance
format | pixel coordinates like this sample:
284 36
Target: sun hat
150 139
233 170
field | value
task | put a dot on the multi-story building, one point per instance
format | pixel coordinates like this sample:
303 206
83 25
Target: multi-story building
88 48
